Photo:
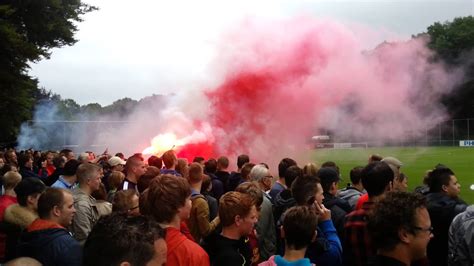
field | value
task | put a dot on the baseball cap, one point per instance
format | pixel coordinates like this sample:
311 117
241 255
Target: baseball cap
116 161
328 175
392 161
394 164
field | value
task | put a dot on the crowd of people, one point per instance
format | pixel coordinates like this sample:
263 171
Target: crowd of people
59 209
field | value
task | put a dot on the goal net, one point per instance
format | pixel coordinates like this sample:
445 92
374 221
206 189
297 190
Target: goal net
342 145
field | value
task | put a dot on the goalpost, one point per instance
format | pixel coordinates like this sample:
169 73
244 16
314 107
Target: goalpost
350 145
342 145
323 142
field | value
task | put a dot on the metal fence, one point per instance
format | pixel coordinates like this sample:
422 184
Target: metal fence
57 135
451 132
61 134
447 133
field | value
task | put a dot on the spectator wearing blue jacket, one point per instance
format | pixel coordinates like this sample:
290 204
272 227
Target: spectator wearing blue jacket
327 248
47 239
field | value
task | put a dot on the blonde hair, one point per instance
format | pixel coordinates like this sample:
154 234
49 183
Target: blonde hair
86 171
11 179
310 169
115 179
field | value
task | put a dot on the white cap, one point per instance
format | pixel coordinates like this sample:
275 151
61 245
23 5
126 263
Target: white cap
116 161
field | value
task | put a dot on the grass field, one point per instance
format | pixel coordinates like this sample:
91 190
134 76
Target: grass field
415 163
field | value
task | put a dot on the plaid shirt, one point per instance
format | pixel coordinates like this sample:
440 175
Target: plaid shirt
358 249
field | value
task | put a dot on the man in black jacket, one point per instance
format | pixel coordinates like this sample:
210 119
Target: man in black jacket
222 173
238 215
339 207
236 177
443 205
47 239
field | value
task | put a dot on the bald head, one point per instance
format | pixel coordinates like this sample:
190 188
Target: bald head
23 261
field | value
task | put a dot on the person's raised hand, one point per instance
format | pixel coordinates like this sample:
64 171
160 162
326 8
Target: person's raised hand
324 213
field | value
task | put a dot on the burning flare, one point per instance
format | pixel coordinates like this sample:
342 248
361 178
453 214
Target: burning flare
162 143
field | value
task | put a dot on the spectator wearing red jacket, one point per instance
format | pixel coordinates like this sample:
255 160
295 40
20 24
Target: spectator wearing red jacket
168 200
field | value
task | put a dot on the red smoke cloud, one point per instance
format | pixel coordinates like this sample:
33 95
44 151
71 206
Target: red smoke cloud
282 81
191 150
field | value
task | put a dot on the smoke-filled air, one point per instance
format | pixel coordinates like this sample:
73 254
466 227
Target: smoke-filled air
277 83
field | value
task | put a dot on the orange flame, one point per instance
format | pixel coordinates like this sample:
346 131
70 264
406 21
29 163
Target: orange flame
162 143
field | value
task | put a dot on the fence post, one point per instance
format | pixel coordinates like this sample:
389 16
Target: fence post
426 137
64 134
453 132
439 133
468 137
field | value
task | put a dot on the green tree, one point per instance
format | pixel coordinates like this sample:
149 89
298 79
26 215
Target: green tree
29 29
121 107
42 94
91 109
452 40
68 109
453 43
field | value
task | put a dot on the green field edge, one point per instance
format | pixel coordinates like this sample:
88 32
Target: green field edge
416 161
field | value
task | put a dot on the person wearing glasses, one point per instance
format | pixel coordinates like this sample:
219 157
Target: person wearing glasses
400 227
265 225
126 201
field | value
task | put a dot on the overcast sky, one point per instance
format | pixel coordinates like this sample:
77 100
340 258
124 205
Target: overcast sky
143 47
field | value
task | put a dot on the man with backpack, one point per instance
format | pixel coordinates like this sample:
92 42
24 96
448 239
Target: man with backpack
199 223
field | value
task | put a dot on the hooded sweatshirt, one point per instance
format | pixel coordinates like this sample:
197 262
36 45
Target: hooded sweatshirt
461 239
351 195
283 201
50 244
339 209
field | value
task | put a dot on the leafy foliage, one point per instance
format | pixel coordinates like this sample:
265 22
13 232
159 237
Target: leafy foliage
29 29
453 43
452 40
